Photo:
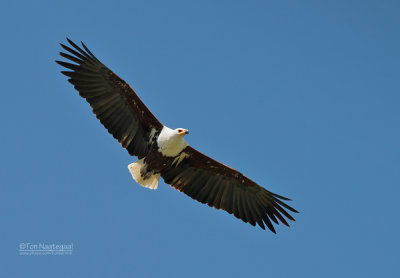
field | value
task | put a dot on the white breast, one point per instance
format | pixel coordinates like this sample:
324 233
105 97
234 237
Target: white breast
170 143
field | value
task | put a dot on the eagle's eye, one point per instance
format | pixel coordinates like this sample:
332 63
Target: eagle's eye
179 130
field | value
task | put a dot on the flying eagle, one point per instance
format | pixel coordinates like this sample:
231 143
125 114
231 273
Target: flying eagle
162 151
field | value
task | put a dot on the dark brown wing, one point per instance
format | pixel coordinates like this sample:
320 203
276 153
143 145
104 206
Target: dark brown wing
213 183
113 101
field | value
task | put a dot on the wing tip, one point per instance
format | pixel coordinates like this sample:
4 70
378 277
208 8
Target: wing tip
69 40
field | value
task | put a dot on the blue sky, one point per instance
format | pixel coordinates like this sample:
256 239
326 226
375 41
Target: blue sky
301 96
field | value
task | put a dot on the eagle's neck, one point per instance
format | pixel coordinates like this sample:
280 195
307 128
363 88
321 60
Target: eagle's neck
170 143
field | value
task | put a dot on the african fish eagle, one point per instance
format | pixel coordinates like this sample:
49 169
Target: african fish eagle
163 152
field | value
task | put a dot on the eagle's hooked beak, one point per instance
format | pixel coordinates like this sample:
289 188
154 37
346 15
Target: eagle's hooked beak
183 132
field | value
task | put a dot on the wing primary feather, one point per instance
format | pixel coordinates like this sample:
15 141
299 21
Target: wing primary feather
68 65
89 52
83 58
285 205
79 49
277 214
82 76
283 220
67 73
72 58
284 212
269 224
265 210
92 93
279 196
271 216
256 213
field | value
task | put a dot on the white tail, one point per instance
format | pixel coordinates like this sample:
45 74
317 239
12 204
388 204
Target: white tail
150 182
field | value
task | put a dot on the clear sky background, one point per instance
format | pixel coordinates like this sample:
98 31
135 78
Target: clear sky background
301 96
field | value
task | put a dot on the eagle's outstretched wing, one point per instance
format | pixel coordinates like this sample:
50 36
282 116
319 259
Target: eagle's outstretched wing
113 101
211 182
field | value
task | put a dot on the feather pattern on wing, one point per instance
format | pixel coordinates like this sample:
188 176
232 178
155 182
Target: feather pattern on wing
113 101
211 182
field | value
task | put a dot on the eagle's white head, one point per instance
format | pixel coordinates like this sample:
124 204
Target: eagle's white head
171 142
